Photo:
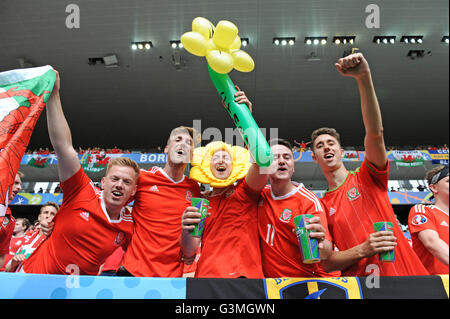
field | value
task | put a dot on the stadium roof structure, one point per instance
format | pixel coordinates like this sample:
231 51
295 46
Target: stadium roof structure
136 101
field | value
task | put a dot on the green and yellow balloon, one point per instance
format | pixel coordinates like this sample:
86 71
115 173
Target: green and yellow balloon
221 45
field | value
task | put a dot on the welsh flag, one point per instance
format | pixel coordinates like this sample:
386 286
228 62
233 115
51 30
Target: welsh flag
39 162
408 158
23 95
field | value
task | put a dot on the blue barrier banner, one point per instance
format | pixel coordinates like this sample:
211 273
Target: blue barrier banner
34 286
99 161
394 197
439 156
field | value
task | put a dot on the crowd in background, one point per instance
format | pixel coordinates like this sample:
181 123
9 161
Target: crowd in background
297 147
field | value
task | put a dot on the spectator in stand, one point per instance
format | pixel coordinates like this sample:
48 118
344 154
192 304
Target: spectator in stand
18 238
33 228
429 224
57 189
7 222
233 210
161 197
302 145
45 218
357 199
421 188
90 224
280 202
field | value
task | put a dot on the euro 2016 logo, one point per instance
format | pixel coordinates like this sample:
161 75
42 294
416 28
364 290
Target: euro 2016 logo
309 288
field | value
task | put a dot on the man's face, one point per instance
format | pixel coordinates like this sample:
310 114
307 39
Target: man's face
17 187
327 151
19 226
221 164
119 185
283 163
440 189
47 213
179 149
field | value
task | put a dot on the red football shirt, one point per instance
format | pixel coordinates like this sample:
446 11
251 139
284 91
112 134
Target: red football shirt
14 244
155 249
7 224
113 262
353 207
84 235
423 217
280 251
230 241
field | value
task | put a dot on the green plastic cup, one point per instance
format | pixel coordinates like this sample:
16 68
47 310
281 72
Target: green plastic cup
308 246
388 256
202 205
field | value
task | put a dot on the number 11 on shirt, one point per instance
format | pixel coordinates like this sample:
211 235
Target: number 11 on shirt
270 234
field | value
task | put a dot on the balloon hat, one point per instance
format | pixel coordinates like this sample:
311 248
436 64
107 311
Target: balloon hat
201 164
221 47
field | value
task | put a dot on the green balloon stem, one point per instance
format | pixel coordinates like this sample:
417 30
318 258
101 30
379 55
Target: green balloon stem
243 119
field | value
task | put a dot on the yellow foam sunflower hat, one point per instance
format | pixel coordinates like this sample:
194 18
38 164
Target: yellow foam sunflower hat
201 164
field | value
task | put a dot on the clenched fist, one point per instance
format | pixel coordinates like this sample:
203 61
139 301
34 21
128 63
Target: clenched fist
354 65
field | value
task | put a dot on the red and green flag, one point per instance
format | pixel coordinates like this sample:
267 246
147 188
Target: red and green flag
408 158
23 95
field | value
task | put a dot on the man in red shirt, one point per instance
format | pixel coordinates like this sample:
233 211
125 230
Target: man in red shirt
29 244
281 201
230 242
17 240
162 194
428 224
7 222
357 199
90 224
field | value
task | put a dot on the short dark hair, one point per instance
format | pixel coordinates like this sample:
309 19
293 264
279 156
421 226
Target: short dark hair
322 131
281 141
25 222
431 173
53 204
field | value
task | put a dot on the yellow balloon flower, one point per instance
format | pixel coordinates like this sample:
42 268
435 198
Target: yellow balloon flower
194 42
220 61
220 45
224 34
204 27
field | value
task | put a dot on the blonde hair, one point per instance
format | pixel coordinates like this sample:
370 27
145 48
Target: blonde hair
123 161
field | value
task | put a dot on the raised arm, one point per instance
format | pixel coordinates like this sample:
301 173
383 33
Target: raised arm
256 177
356 66
60 136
